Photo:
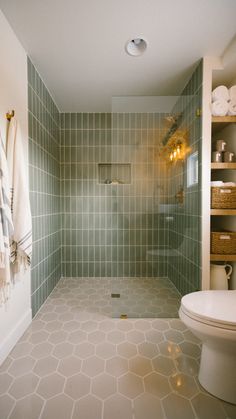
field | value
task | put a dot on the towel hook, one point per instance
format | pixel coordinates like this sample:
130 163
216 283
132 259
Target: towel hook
10 115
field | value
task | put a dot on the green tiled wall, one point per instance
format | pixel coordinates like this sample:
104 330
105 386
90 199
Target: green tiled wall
108 229
185 231
44 175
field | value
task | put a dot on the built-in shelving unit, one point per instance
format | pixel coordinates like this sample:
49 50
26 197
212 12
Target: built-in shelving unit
218 123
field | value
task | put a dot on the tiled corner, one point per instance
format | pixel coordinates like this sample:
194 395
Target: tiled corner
44 176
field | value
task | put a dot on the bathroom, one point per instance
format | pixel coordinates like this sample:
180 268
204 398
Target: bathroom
121 232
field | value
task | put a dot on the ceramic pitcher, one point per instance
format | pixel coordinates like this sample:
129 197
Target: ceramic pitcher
220 275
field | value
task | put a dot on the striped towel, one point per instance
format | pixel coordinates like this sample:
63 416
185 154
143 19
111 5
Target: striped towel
21 244
6 227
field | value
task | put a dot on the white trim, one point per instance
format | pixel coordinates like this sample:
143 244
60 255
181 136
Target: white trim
10 341
209 64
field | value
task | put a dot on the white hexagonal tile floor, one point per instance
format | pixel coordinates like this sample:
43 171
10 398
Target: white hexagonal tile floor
75 361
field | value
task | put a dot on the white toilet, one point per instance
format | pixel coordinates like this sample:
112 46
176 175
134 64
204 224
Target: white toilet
211 316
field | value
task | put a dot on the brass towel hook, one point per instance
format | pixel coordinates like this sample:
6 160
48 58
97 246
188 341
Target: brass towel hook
10 115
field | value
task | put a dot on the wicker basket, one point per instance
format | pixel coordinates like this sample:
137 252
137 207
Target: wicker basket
223 242
223 197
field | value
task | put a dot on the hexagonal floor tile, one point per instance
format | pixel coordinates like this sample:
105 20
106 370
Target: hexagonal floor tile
190 349
164 365
105 350
59 407
5 382
157 384
41 350
21 366
62 350
69 366
130 385
154 336
135 336
148 349
160 325
24 385
28 407
51 385
116 336
77 337
103 386
45 366
117 366
127 350
117 407
93 366
21 350
85 350
187 365
88 407
58 336
174 336
6 403
96 337
176 407
147 406
208 407
77 386
140 365
169 349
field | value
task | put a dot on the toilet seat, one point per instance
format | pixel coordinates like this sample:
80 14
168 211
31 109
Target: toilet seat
214 308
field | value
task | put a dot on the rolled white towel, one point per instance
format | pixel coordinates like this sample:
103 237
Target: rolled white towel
219 93
219 108
232 107
232 92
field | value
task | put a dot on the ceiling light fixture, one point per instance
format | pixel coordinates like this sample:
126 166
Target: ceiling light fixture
136 47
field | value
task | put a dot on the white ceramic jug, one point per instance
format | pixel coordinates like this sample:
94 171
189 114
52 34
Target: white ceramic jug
220 276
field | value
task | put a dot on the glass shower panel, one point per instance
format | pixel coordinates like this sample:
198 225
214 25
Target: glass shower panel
142 208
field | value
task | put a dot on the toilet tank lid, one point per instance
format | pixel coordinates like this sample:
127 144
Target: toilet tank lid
218 306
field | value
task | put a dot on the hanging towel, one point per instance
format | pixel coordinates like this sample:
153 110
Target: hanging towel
219 108
232 92
21 244
6 227
219 93
232 107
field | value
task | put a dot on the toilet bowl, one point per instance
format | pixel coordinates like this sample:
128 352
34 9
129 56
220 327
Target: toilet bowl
211 316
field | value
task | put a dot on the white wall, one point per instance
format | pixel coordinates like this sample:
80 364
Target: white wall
15 316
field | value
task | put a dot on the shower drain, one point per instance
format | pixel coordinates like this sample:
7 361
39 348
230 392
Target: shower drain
115 295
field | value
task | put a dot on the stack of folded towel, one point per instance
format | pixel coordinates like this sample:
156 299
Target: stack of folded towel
220 183
223 101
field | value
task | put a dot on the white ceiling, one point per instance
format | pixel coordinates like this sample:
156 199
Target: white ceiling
78 45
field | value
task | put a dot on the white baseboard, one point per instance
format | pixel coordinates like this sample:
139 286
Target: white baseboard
9 342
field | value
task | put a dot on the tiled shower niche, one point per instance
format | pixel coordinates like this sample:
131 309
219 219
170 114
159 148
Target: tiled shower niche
114 173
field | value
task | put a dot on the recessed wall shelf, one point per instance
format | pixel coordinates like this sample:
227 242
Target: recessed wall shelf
223 258
114 173
223 211
223 166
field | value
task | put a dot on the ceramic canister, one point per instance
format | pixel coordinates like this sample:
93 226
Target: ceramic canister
216 156
221 145
220 276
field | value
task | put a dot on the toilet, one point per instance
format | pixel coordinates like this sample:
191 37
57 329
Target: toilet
211 316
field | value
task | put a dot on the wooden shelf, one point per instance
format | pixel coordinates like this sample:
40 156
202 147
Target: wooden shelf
223 166
224 119
219 122
224 258
223 211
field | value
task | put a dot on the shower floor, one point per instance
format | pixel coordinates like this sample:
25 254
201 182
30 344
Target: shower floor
132 297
